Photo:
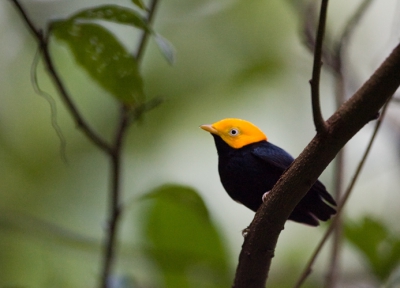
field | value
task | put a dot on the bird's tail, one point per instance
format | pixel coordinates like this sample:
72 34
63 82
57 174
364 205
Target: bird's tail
318 204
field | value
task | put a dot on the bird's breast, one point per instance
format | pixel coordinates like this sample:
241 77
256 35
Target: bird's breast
245 178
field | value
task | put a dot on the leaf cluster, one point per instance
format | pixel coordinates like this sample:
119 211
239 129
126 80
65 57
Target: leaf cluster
102 55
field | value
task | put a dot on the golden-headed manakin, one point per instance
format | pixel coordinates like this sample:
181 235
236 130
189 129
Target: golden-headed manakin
249 166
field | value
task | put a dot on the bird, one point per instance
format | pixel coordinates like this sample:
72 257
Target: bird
249 166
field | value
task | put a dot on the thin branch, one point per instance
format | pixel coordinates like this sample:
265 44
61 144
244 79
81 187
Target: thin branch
335 61
342 202
263 233
127 117
31 226
145 35
43 46
319 122
348 30
115 208
36 32
333 270
328 56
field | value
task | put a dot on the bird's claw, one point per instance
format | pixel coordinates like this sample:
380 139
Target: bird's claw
264 197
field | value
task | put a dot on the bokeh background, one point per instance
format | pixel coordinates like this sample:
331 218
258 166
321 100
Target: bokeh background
242 59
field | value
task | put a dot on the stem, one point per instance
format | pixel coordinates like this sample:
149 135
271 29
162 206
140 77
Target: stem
332 277
333 271
319 122
115 209
145 35
349 28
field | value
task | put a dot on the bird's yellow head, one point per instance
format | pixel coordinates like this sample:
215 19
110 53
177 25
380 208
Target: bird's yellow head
236 132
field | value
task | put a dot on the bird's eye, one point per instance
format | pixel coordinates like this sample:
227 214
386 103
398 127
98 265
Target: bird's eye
233 132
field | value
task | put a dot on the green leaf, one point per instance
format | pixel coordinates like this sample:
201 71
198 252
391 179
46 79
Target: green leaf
166 48
139 3
126 16
183 240
104 58
379 247
114 13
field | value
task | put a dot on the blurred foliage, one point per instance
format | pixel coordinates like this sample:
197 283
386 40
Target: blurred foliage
183 241
378 245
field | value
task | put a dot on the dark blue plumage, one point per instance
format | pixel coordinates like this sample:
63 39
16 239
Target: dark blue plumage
250 171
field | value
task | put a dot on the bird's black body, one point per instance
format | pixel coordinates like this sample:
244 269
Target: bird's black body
248 172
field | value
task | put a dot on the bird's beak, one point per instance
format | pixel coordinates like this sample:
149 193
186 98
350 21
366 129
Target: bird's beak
209 128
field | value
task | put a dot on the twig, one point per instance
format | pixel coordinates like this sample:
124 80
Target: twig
127 117
43 46
36 32
319 122
342 202
333 268
348 30
309 35
32 226
145 35
336 62
115 208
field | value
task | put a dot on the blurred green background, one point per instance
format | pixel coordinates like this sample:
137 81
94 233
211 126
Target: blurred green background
242 59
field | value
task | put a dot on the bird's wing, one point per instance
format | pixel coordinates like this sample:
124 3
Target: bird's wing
276 158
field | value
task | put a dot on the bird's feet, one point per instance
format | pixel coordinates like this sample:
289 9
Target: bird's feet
245 231
264 197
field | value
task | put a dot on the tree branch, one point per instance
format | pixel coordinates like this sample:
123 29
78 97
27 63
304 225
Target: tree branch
319 122
259 245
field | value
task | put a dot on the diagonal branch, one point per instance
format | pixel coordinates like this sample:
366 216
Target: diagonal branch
44 49
259 245
319 122
308 269
348 31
